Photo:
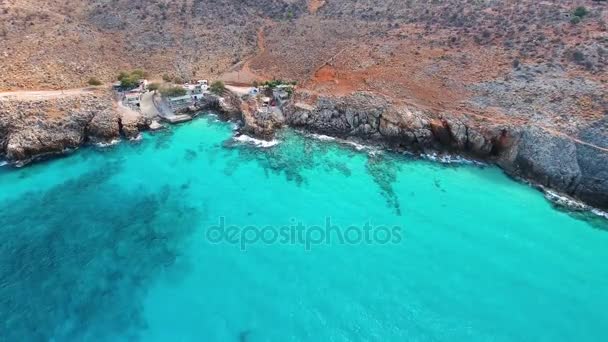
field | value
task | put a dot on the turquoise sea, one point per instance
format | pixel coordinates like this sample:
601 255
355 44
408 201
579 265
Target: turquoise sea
121 244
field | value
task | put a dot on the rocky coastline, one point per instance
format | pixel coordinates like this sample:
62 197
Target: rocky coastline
573 165
576 166
33 129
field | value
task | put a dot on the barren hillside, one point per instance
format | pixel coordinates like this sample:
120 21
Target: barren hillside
444 55
523 82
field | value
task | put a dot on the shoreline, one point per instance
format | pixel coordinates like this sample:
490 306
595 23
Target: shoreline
560 200
424 135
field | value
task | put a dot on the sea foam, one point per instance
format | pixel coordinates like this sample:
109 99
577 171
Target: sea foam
245 139
108 144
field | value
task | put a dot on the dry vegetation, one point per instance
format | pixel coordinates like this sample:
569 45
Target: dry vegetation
429 53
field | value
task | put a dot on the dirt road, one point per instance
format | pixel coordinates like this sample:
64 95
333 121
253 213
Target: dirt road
30 95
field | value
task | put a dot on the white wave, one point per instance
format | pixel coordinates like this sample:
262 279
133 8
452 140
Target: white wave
357 146
107 144
322 137
564 200
573 204
137 138
600 213
450 159
3 163
257 142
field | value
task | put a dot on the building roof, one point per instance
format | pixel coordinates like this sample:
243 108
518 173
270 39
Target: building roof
180 98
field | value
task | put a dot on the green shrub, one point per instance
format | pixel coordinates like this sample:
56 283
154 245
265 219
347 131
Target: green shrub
94 81
167 78
129 81
139 73
580 12
575 20
217 87
173 91
153 86
122 75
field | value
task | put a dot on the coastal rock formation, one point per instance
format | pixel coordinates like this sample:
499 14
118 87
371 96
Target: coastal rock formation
372 117
574 166
577 166
31 128
260 122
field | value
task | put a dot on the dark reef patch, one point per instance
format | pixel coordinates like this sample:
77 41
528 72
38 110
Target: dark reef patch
163 139
75 260
383 168
295 155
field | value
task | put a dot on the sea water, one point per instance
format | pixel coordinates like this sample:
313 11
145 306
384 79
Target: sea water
121 244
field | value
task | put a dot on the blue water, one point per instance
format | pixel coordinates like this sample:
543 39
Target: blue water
115 244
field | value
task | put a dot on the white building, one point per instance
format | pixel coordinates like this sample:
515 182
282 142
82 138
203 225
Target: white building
132 99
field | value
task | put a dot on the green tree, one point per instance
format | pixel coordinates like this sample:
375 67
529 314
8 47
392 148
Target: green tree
174 91
167 78
217 87
94 81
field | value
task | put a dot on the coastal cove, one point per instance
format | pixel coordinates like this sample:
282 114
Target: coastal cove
111 243
303 170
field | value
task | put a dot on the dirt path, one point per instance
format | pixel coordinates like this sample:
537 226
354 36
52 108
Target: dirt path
127 114
31 95
147 106
244 76
314 5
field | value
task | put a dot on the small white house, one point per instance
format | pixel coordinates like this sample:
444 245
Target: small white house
203 82
132 99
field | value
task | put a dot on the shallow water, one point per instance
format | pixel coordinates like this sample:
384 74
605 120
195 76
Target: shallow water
117 244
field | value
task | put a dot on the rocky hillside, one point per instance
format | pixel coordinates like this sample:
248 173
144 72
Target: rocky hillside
59 43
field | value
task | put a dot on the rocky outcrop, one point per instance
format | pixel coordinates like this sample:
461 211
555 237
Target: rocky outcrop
104 126
578 167
260 122
371 117
31 129
571 165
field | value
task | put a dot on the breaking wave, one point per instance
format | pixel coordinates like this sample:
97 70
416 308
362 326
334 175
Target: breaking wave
245 139
572 204
108 144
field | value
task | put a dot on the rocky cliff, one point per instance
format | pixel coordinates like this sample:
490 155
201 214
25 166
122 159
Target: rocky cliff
34 128
575 165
